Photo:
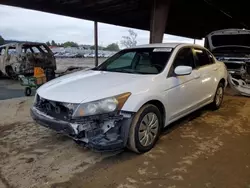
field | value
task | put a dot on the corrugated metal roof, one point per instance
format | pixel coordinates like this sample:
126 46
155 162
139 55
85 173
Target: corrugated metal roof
193 18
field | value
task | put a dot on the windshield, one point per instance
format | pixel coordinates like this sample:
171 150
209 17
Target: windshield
226 40
138 61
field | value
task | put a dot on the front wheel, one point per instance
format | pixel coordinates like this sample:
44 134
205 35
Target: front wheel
145 129
218 98
27 91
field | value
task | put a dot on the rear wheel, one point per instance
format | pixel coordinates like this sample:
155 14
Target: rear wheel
145 129
218 98
10 72
27 91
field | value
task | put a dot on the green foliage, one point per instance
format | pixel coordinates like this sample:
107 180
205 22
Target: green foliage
112 47
53 43
70 44
99 47
48 43
1 40
92 47
65 45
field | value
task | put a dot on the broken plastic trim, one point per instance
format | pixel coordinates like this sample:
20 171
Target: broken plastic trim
102 133
239 86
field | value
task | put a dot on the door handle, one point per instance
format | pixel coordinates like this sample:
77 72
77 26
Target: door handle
196 76
215 69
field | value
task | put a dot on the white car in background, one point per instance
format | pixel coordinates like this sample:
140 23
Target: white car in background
132 96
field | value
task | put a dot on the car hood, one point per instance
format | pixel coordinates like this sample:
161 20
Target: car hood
86 86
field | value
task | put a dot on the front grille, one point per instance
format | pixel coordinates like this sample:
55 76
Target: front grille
54 109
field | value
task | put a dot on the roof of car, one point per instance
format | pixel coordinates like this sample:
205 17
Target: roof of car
15 43
165 45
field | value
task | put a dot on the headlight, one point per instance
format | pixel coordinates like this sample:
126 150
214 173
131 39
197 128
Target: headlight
102 106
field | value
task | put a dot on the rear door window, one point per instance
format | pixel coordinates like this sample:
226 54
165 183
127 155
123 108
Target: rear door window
42 47
35 49
12 51
26 50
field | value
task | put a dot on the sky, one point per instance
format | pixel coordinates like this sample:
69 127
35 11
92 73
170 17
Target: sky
28 25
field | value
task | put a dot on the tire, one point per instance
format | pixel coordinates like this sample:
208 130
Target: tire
10 72
143 138
27 91
218 98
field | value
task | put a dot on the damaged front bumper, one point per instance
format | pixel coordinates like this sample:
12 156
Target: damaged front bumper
102 133
239 86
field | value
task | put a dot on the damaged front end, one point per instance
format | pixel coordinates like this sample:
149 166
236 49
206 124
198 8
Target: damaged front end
104 132
239 77
238 74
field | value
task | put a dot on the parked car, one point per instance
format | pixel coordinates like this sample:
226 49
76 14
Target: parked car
21 58
127 100
106 55
92 55
232 46
59 54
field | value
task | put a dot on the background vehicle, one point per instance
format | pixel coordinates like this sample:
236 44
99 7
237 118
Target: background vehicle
232 46
21 58
128 99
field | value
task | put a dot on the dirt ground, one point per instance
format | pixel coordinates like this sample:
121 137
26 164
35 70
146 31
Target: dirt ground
206 149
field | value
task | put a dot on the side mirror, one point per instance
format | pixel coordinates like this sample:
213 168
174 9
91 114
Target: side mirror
183 70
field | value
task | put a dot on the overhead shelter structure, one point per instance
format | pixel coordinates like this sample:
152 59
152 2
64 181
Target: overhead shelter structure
188 18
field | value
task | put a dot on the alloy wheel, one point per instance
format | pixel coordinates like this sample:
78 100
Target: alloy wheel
148 129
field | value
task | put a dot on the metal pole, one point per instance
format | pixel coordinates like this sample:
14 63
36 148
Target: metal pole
96 42
194 41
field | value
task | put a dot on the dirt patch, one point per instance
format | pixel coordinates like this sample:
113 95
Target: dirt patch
206 149
32 156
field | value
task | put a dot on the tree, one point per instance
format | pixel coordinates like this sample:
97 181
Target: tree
1 40
112 47
99 47
48 43
70 44
53 43
129 41
92 47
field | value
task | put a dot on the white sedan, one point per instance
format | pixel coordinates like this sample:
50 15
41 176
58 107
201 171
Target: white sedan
132 96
